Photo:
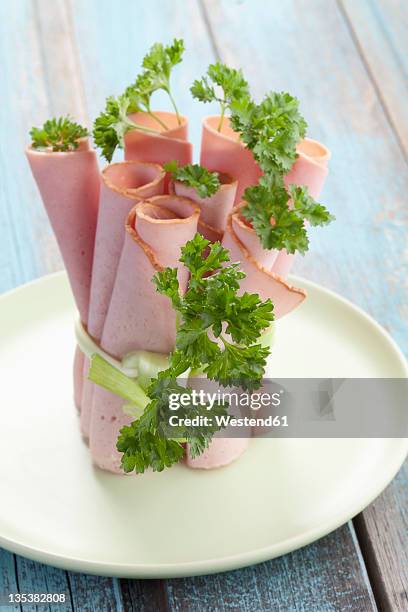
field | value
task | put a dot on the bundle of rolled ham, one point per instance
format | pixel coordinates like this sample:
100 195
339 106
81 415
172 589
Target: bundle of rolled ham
118 227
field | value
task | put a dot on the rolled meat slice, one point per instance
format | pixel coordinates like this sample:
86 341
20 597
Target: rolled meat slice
224 152
247 235
243 245
123 184
215 209
220 452
140 318
69 186
162 147
78 375
310 169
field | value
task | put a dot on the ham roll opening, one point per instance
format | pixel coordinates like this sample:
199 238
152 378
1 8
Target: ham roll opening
215 209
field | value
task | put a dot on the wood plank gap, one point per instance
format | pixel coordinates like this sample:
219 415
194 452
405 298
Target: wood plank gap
144 595
70 591
16 572
211 34
372 78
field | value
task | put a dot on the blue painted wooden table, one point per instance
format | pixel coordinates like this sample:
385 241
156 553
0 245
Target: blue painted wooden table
347 61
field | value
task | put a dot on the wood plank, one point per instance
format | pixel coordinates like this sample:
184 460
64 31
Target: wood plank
25 232
326 575
380 30
382 530
39 79
95 593
144 595
35 577
62 74
8 580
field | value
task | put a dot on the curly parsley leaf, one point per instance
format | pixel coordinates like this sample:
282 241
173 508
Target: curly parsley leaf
60 134
278 225
213 318
271 130
205 183
222 84
158 64
308 208
113 123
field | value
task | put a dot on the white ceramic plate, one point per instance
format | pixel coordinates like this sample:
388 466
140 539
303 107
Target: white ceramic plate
282 494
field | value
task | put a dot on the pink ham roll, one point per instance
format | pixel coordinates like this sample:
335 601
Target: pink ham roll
140 318
69 187
224 152
220 452
78 375
310 169
243 245
123 184
215 209
161 147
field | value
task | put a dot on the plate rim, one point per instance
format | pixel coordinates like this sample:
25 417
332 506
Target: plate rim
228 562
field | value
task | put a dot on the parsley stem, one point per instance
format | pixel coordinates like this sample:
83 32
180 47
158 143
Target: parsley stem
174 105
156 118
221 116
136 126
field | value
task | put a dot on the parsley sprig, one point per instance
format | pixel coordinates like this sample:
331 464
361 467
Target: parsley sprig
218 334
113 123
158 64
205 183
278 225
217 328
60 134
222 84
271 130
